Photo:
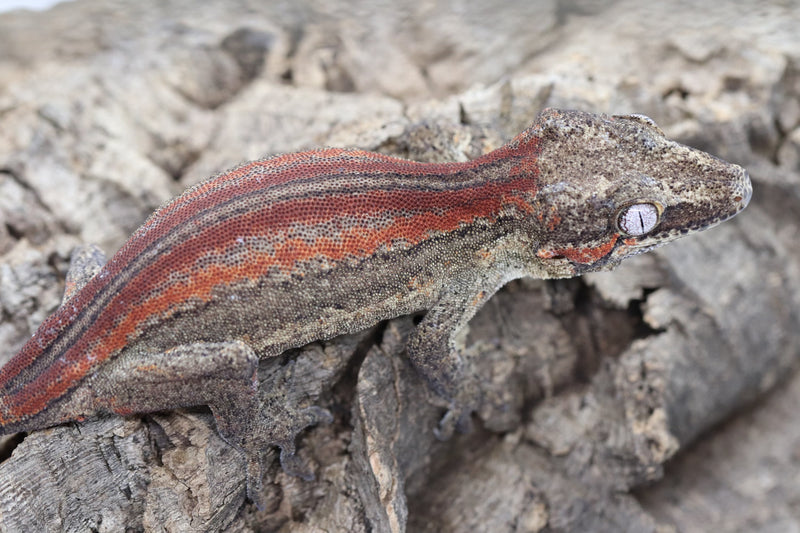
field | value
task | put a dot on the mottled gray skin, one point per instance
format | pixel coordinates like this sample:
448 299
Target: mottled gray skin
599 170
590 170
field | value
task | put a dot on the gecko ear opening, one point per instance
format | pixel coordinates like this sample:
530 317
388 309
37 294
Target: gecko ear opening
638 218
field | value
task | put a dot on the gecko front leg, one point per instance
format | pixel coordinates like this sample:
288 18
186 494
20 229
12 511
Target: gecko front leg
434 350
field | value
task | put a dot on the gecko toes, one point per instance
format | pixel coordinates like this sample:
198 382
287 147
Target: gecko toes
290 462
311 416
445 428
294 466
456 419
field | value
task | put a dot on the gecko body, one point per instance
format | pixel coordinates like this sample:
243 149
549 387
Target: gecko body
281 252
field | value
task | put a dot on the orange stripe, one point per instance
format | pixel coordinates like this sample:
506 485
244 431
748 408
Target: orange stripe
584 256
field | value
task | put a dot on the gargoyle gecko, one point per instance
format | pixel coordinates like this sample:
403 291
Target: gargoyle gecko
280 252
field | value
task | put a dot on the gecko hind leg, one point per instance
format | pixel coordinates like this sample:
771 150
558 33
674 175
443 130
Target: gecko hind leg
223 376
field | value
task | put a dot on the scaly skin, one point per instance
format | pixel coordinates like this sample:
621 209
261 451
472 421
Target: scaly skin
281 252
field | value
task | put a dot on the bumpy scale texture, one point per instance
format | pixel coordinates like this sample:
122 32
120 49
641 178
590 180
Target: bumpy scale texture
281 252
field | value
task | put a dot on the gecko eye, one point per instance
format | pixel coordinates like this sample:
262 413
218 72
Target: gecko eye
638 219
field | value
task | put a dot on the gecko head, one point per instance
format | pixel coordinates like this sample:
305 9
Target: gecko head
615 186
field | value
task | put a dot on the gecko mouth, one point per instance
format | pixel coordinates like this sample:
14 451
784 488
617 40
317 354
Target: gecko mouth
679 229
685 218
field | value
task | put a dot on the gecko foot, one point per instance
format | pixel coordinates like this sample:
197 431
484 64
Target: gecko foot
303 418
279 430
459 413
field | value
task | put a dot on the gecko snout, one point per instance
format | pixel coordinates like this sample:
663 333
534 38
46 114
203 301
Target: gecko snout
739 191
747 190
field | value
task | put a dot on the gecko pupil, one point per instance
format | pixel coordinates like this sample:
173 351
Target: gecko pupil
638 219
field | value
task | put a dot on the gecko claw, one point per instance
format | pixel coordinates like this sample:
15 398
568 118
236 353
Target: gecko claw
445 428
